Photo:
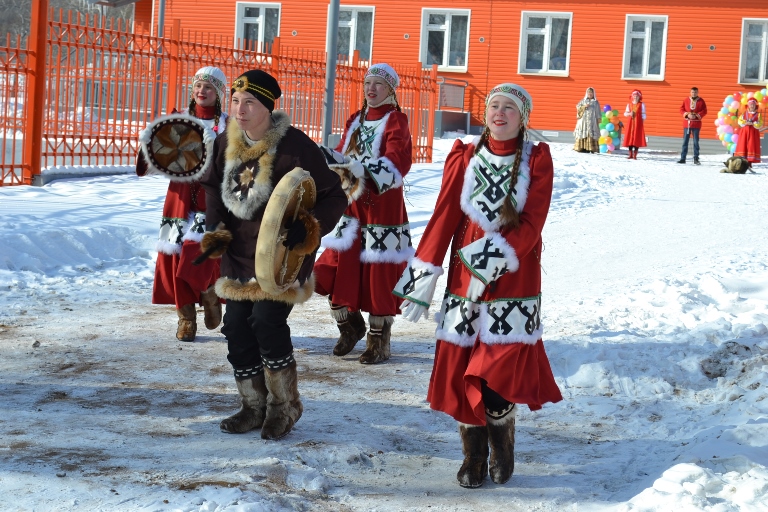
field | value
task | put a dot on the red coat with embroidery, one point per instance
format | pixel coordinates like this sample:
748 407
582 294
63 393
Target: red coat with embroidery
513 363
694 115
635 134
365 255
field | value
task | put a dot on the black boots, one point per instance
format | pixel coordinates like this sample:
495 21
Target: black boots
351 328
377 342
253 393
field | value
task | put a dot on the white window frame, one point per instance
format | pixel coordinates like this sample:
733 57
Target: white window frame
240 20
547 32
425 28
648 18
763 72
353 26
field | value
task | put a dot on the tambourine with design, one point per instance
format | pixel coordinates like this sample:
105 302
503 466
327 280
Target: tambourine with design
178 145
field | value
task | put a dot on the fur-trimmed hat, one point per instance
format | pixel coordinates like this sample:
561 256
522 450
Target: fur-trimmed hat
517 94
213 76
261 84
385 72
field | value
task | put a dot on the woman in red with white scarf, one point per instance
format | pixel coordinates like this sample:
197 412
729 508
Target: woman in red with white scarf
489 354
183 224
635 111
367 251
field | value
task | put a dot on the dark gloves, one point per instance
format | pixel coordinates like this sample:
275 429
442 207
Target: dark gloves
296 234
303 234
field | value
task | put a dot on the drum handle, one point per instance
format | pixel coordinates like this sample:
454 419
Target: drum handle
284 268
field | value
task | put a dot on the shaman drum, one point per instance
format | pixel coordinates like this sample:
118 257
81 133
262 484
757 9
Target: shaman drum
276 266
174 145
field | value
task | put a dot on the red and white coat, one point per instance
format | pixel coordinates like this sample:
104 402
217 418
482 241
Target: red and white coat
181 229
497 336
366 252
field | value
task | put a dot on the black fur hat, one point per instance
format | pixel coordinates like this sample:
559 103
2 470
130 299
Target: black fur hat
261 84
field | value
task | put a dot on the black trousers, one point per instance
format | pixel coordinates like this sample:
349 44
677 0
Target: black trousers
256 330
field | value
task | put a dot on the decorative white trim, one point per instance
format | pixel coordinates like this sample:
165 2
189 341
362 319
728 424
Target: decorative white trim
423 265
523 183
507 250
397 176
195 228
165 247
343 235
388 256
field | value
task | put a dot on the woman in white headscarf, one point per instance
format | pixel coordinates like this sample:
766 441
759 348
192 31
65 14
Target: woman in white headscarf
587 130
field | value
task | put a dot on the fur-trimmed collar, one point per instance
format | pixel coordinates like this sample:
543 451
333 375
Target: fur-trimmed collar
376 146
245 190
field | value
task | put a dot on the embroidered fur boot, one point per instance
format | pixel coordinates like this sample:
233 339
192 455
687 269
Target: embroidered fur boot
284 406
187 328
253 393
351 326
501 434
377 343
474 446
211 308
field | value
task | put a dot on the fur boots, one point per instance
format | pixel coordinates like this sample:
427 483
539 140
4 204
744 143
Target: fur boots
501 434
284 406
253 392
211 308
351 326
187 328
474 446
377 342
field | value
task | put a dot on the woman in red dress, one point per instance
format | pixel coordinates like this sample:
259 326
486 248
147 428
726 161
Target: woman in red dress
635 111
751 122
489 354
367 251
183 223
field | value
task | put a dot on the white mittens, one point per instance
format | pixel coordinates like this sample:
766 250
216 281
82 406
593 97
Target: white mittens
209 136
412 311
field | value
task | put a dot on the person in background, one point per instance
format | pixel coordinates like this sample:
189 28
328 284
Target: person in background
692 110
489 356
635 111
183 224
372 243
258 149
587 132
751 122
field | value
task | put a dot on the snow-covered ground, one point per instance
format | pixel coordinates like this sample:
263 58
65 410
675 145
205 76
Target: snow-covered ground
655 311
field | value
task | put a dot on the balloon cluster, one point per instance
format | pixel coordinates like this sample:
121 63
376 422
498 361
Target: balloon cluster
727 121
609 130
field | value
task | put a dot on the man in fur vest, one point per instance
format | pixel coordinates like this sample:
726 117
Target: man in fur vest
249 160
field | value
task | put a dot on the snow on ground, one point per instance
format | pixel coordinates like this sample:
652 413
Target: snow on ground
655 311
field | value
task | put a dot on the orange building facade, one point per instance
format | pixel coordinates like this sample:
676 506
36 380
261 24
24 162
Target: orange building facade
554 49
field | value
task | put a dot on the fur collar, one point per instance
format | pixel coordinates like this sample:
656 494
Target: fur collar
245 190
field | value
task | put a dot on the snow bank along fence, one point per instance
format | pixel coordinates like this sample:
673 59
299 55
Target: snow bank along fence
101 84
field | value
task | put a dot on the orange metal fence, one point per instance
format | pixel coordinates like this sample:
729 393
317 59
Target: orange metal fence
103 84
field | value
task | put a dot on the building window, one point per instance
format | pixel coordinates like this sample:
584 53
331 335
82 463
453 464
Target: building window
545 43
355 33
645 47
257 25
754 52
445 39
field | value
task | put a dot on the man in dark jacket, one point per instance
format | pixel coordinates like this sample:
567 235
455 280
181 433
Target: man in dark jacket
692 110
257 150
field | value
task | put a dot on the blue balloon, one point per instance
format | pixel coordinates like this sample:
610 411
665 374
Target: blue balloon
603 148
610 127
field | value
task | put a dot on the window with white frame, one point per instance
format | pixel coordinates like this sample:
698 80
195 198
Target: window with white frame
754 52
645 47
355 32
545 42
257 25
445 38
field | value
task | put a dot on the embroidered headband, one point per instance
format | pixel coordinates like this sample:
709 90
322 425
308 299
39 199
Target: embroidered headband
517 94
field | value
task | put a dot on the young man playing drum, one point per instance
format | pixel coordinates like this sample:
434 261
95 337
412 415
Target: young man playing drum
249 160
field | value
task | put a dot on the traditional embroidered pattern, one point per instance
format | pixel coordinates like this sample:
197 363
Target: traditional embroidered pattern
417 284
389 241
487 183
172 230
382 172
501 321
485 259
343 235
206 77
278 364
249 372
382 73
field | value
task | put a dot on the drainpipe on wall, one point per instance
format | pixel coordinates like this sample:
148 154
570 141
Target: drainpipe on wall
159 62
332 39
